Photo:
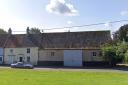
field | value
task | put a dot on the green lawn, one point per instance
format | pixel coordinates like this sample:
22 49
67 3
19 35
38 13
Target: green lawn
40 77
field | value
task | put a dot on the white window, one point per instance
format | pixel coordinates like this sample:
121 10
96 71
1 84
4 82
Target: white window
94 54
28 50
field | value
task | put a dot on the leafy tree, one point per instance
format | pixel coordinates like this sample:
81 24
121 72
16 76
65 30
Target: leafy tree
117 51
122 33
121 50
2 31
34 30
109 54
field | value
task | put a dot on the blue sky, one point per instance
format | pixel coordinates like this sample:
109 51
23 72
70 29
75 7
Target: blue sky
45 14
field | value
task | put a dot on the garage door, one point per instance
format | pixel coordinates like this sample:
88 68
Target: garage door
72 57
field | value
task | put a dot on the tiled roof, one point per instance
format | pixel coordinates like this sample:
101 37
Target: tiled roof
88 39
3 38
19 40
70 40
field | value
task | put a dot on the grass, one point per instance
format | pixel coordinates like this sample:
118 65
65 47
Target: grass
40 77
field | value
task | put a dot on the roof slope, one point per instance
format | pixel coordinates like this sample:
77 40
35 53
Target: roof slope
3 38
70 40
19 40
87 39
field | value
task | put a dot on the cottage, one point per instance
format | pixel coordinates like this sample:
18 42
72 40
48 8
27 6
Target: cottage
20 48
72 48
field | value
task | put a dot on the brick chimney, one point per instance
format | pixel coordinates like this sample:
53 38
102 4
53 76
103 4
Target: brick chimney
27 31
9 31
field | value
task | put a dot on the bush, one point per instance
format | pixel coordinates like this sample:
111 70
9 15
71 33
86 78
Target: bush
121 50
109 54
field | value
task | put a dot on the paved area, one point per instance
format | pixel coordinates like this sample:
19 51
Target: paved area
88 69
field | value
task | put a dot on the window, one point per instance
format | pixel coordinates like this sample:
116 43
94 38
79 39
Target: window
28 58
11 50
0 59
94 53
52 53
28 50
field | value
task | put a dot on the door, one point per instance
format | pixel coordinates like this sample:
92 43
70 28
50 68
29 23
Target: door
72 57
11 59
20 59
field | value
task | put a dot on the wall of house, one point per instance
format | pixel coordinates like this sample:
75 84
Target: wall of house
21 52
50 57
88 56
46 57
1 51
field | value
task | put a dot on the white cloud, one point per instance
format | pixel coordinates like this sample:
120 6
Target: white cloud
61 7
124 13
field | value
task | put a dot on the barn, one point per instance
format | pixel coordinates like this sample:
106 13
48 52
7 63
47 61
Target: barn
72 48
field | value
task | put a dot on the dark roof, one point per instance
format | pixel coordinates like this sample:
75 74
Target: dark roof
19 40
36 39
76 40
3 38
70 40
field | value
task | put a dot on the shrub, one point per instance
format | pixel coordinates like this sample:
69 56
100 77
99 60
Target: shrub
109 54
121 50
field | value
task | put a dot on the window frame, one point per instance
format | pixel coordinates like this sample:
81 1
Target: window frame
94 54
1 59
28 50
11 50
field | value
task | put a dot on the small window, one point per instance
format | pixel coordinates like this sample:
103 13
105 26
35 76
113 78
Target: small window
28 50
28 58
52 53
0 59
94 53
11 50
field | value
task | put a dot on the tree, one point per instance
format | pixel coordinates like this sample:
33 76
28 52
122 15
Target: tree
35 31
2 31
109 54
117 51
122 33
121 50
